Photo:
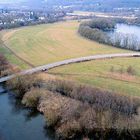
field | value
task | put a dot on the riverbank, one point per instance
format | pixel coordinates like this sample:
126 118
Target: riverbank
72 109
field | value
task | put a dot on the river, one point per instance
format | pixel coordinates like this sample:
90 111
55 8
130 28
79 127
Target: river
18 123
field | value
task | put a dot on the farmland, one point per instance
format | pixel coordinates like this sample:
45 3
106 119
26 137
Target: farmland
43 44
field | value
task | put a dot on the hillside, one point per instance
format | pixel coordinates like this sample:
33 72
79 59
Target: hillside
107 3
77 4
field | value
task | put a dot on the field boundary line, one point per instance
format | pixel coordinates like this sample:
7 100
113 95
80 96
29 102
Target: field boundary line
20 58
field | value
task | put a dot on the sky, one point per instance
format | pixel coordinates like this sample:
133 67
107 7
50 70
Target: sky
13 1
8 1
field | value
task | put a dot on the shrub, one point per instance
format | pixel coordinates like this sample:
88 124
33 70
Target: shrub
6 72
68 130
23 84
102 100
88 120
112 69
65 108
31 98
131 70
61 86
70 117
77 108
52 118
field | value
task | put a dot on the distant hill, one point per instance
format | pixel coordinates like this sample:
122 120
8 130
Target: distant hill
114 3
85 4
30 4
96 5
121 3
33 3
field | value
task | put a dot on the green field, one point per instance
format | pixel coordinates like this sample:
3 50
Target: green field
13 59
43 44
98 73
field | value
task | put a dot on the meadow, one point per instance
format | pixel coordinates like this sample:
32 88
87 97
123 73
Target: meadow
13 59
109 74
43 44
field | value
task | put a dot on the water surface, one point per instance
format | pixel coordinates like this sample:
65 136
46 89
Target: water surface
18 123
128 29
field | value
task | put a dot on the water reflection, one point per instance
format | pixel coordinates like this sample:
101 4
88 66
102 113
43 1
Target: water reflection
125 36
128 29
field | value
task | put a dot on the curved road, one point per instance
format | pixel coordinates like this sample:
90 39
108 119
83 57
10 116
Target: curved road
69 61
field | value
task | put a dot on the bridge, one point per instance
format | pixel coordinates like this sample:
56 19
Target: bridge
69 61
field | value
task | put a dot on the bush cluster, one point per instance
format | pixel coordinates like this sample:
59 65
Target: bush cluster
23 84
129 70
73 109
71 117
32 97
100 99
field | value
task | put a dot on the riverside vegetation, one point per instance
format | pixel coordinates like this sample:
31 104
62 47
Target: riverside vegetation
5 67
100 30
72 109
